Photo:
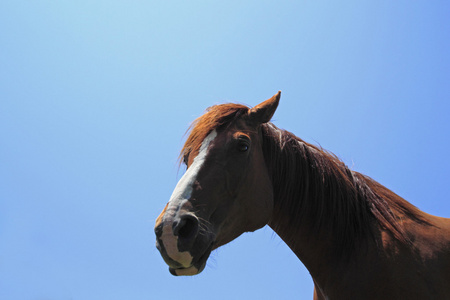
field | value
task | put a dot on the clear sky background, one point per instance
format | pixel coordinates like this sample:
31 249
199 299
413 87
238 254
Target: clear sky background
95 97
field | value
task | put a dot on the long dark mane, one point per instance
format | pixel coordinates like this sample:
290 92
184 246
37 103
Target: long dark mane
314 186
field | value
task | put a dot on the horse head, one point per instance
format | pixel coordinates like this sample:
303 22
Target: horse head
225 191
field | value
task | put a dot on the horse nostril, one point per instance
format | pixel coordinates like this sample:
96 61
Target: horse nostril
187 227
158 230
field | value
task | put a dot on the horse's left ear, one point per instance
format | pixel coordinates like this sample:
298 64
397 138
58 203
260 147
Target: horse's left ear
263 112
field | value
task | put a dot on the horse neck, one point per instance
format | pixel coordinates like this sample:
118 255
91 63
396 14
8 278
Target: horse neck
314 192
322 209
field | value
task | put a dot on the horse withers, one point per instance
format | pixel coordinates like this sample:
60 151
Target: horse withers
358 239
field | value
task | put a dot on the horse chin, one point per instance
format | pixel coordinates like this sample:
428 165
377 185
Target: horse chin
192 270
196 268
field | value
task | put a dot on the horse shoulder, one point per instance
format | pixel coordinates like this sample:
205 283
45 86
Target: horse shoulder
423 267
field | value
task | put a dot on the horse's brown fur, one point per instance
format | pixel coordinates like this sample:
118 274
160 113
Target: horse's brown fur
358 239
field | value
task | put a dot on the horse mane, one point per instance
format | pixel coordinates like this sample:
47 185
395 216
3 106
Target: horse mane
315 186
214 117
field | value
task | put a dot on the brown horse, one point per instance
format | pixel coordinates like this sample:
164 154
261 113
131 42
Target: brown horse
358 239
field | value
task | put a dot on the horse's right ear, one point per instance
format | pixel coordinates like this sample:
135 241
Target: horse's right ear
263 112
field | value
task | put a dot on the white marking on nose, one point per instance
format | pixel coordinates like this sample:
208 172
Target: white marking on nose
179 199
170 244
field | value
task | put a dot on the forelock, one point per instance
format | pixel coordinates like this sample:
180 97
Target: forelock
215 116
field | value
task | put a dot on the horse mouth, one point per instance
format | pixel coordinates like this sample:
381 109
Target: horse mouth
197 266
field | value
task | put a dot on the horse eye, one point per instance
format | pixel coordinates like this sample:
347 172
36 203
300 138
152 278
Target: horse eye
242 147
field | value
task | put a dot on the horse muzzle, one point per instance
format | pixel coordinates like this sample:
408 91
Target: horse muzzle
183 242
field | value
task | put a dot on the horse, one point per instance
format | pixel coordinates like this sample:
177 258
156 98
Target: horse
357 238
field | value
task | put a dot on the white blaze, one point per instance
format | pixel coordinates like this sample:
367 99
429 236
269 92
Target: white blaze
180 196
184 188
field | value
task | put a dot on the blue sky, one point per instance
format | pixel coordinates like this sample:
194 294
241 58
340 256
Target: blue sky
95 97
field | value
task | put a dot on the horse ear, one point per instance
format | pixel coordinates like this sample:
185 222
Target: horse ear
263 112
